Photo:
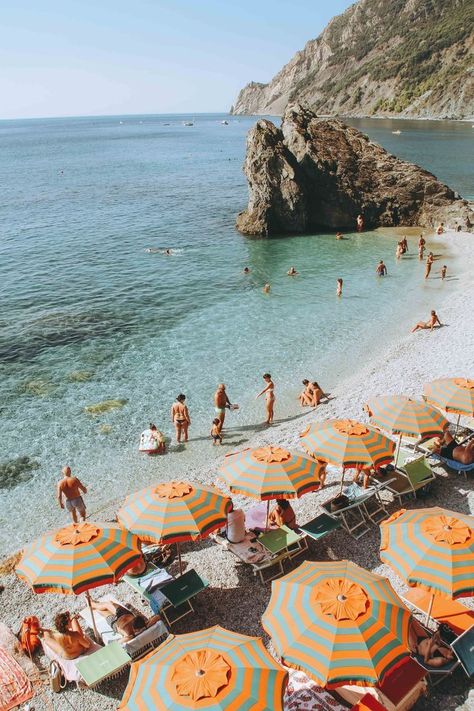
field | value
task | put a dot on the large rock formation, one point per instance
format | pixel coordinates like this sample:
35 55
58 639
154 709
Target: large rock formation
315 173
410 58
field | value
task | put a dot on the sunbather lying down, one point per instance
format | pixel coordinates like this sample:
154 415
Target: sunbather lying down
122 620
447 447
433 651
68 639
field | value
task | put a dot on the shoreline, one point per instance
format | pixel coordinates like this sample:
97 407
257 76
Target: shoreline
402 366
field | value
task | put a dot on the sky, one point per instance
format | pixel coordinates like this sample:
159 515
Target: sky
99 57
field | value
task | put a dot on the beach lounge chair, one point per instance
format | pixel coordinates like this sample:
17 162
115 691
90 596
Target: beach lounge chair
453 464
365 507
171 599
320 526
138 646
283 539
463 647
407 480
399 690
457 616
90 669
264 564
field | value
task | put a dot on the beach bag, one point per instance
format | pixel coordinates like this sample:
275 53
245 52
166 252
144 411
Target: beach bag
56 679
29 637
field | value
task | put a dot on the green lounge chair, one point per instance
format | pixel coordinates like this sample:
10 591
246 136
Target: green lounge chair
106 663
179 593
409 479
283 539
320 526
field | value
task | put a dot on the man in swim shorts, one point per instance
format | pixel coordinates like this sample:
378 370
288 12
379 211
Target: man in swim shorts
70 488
381 269
221 402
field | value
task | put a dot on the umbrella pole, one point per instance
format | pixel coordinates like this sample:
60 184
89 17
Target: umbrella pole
457 425
179 559
268 514
428 614
342 480
89 602
398 449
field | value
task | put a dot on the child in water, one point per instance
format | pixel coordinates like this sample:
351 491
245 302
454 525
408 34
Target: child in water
216 433
339 287
444 269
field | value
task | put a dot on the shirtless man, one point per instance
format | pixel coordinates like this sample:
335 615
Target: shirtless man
68 640
70 488
434 320
429 262
221 401
381 269
447 447
122 620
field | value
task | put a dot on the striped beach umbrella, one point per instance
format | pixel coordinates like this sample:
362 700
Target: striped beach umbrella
270 473
348 444
338 623
403 416
174 512
212 669
78 557
454 395
431 548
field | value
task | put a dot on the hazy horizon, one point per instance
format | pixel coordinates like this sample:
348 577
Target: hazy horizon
68 59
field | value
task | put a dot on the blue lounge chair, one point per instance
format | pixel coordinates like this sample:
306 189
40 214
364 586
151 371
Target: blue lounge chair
452 464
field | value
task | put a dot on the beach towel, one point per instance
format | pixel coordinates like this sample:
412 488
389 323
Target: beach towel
303 694
15 687
68 666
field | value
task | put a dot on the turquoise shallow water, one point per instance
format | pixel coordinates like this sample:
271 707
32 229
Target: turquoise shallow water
81 201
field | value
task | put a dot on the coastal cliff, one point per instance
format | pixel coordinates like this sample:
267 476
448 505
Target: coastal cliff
397 58
319 173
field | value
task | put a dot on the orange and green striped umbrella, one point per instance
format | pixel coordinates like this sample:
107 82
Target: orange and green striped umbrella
452 395
431 548
347 443
404 416
212 669
338 623
270 473
175 511
78 557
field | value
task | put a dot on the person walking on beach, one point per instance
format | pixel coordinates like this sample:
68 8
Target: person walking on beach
69 494
268 391
429 262
339 287
434 321
180 417
360 223
221 402
381 269
216 433
421 247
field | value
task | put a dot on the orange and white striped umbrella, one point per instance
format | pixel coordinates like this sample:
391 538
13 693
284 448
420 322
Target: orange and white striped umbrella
338 623
431 548
212 669
270 473
452 395
347 443
78 557
404 416
174 511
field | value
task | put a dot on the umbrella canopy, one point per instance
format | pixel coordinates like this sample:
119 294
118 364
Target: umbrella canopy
78 557
270 473
452 395
338 623
175 511
212 669
431 548
347 443
404 416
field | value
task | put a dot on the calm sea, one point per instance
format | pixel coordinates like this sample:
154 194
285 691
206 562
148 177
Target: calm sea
88 315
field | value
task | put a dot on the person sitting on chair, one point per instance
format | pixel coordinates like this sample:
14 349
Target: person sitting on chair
122 620
68 640
282 515
432 650
448 448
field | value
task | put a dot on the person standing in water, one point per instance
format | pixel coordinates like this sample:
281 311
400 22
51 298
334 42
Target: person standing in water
381 269
221 402
429 262
180 417
339 287
360 223
292 271
444 269
70 488
268 391
266 288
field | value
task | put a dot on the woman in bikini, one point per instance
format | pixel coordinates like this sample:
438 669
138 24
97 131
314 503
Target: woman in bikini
180 417
432 650
269 397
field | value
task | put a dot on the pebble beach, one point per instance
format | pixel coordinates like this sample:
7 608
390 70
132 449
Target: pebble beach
236 599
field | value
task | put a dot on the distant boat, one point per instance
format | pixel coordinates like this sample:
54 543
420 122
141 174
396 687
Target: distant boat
188 123
396 133
225 123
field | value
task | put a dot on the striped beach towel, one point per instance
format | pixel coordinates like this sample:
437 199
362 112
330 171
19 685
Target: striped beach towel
15 687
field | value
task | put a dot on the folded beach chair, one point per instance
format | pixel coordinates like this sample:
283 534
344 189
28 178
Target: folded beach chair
399 690
450 612
142 643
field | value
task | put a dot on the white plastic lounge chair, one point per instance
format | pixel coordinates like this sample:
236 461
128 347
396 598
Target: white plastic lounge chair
68 666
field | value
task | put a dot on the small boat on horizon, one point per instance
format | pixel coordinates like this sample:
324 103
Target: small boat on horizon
188 123
225 123
396 133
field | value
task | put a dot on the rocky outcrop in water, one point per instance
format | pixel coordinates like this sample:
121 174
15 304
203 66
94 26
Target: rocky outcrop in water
314 173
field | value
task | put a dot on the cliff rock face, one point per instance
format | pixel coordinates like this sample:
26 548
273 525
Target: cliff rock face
408 58
315 173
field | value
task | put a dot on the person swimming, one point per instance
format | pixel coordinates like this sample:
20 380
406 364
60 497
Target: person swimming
292 271
339 287
266 288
